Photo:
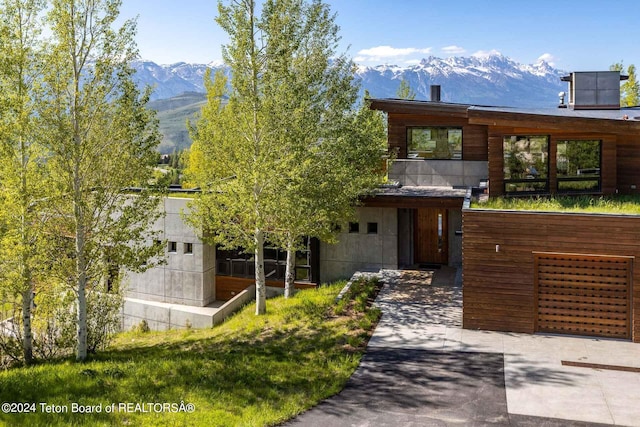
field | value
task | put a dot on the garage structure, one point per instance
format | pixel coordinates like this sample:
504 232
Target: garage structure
567 273
583 294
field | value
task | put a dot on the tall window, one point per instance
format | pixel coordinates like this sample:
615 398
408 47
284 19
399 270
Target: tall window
578 166
434 143
526 164
237 263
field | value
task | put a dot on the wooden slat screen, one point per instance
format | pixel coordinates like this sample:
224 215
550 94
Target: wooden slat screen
583 294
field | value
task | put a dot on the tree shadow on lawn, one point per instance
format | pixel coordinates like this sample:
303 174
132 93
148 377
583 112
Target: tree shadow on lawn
293 367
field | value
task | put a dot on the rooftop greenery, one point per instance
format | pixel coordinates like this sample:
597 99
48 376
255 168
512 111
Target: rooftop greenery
626 205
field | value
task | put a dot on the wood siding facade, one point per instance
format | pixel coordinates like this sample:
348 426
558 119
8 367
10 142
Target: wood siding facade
474 137
628 164
227 286
499 269
500 274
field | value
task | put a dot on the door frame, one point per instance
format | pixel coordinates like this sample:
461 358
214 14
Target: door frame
431 226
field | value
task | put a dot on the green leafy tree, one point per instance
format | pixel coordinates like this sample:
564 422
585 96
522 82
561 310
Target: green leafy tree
102 140
235 167
283 158
630 89
23 168
233 160
330 153
405 91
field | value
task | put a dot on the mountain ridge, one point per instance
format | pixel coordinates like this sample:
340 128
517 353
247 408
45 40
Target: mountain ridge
492 79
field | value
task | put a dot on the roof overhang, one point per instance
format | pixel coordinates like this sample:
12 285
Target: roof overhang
416 197
571 123
622 121
403 106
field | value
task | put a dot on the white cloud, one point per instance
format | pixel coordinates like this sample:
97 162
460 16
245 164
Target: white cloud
385 53
453 50
548 58
486 53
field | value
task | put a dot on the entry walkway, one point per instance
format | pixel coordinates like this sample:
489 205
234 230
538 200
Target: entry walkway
422 368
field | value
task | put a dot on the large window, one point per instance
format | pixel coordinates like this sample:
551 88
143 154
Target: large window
434 143
237 263
526 164
578 164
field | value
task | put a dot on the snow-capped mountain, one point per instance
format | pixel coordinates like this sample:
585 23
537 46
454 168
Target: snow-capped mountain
489 80
172 80
485 80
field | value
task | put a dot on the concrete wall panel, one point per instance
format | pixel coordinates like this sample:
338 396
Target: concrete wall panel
412 172
362 251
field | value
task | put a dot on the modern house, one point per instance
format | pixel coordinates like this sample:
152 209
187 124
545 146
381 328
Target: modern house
522 271
529 271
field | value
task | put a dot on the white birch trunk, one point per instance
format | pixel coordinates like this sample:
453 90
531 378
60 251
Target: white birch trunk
81 263
27 291
261 287
82 323
82 296
27 337
290 273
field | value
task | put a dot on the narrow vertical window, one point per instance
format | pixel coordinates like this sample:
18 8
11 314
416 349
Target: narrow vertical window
440 233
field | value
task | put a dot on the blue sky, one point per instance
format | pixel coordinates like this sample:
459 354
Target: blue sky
573 35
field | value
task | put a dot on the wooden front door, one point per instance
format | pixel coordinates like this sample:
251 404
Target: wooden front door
430 236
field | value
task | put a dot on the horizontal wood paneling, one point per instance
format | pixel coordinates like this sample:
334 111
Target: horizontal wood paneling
474 137
227 287
628 164
499 289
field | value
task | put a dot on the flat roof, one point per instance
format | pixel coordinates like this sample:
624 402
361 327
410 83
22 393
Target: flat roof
631 113
417 197
422 191
625 120
399 105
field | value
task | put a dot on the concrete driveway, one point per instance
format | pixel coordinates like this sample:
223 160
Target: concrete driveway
422 369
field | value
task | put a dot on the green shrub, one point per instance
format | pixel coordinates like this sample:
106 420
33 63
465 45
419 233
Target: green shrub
142 327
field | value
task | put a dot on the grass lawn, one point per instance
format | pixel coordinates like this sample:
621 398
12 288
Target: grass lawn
251 370
626 205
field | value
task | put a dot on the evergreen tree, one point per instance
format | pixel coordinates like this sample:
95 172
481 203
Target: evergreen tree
405 91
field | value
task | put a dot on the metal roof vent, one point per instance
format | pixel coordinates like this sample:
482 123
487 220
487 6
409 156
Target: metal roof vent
594 90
